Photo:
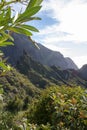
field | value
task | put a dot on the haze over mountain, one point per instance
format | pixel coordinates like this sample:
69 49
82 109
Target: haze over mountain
43 55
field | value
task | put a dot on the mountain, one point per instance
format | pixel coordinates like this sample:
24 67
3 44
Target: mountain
42 76
83 72
43 67
44 55
29 77
71 63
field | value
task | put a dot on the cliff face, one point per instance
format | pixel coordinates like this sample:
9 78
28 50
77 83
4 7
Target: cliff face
43 55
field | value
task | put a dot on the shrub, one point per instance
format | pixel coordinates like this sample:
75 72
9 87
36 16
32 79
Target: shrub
62 107
15 105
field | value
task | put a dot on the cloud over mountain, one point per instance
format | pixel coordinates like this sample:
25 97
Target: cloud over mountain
69 26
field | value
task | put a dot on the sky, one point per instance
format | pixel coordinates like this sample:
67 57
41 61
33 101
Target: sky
63 28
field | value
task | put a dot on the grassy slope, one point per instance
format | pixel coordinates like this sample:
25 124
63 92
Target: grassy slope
43 76
16 84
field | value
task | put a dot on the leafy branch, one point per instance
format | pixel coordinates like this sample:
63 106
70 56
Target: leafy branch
17 23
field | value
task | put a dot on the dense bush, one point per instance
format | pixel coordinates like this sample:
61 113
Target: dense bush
58 108
64 108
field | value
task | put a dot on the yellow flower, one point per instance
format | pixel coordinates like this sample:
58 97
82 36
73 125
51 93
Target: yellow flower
61 124
73 101
82 115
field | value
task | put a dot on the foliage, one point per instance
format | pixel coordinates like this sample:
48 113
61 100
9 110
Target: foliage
17 92
13 21
6 120
16 85
43 76
62 107
58 108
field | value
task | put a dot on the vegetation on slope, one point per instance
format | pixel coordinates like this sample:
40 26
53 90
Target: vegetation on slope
43 76
63 108
57 108
18 92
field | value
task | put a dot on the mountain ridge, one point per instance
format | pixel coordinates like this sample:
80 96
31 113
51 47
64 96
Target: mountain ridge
43 76
45 56
25 53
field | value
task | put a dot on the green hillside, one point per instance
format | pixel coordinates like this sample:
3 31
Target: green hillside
43 76
17 86
56 108
43 90
38 97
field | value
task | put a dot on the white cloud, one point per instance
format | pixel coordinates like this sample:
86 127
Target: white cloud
72 16
80 60
55 47
70 27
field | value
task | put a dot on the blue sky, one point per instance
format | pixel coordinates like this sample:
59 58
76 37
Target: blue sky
64 28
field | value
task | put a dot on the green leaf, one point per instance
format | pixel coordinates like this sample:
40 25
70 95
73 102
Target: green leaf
10 37
6 43
33 3
8 13
5 17
34 18
21 31
30 19
4 3
5 21
28 13
15 17
28 27
3 66
4 37
39 2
